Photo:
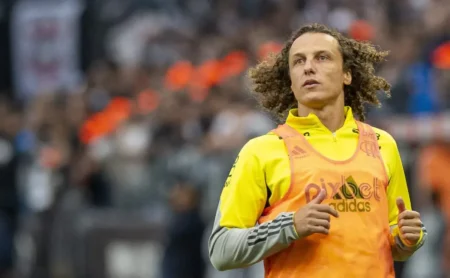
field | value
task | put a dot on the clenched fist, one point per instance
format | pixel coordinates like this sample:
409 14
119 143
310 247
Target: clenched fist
314 218
409 224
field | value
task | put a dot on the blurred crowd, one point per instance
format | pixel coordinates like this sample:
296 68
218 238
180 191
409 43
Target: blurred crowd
141 135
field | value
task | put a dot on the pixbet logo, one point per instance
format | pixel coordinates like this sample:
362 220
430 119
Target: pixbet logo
347 195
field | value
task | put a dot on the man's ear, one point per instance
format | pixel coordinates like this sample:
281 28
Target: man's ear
348 77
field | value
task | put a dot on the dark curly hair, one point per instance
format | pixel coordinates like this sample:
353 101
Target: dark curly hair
272 83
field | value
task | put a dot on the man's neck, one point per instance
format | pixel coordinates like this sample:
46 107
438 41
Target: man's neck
332 116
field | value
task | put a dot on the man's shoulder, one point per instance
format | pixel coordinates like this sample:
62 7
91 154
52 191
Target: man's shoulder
263 143
269 138
385 139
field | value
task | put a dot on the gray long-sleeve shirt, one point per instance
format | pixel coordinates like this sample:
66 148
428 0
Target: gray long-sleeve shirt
231 248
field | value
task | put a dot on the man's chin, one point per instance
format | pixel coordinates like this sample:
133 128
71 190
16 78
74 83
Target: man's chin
316 99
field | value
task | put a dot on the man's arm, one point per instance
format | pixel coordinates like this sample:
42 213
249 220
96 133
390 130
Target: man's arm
398 188
231 248
235 241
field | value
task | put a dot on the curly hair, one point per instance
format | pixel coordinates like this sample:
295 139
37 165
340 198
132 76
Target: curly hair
271 82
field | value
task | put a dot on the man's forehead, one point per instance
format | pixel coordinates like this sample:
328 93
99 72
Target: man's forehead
312 42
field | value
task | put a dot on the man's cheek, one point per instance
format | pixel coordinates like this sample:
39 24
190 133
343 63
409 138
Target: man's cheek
296 86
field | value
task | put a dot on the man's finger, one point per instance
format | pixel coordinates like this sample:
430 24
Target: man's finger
320 197
410 230
320 230
409 214
410 223
327 209
321 223
321 215
411 238
401 205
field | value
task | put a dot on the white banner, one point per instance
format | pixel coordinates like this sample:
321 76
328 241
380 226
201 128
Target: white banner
45 46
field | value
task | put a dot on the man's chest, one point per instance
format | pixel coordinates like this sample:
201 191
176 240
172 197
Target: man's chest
305 170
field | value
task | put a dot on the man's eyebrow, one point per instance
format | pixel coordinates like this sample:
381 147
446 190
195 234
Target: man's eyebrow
301 54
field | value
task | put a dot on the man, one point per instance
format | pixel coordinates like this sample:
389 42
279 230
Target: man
323 195
184 234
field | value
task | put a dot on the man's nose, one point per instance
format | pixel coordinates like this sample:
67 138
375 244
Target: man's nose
309 67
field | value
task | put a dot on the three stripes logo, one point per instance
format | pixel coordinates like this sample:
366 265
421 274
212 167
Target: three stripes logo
298 152
262 232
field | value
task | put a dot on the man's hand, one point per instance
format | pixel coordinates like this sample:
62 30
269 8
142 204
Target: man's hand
409 224
314 217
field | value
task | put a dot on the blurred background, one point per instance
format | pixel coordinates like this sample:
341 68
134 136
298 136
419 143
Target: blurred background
120 120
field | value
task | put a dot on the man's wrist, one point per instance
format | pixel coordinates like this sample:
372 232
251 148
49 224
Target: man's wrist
294 227
403 244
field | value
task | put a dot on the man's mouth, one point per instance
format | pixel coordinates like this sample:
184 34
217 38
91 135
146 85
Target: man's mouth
310 83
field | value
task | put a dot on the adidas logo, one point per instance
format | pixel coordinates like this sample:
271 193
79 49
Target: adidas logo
350 199
351 206
297 151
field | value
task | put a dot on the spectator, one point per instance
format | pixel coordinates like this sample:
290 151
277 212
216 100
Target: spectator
183 257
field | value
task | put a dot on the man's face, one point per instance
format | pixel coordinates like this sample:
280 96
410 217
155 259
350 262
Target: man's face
316 70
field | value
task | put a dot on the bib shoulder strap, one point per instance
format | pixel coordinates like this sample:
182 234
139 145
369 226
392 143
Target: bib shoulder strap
366 132
285 131
368 140
370 146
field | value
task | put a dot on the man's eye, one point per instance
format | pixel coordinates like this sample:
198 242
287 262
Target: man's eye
323 57
299 61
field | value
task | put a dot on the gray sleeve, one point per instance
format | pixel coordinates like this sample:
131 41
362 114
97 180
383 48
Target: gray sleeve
231 248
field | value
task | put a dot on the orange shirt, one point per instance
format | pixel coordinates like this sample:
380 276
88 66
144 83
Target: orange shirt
358 244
